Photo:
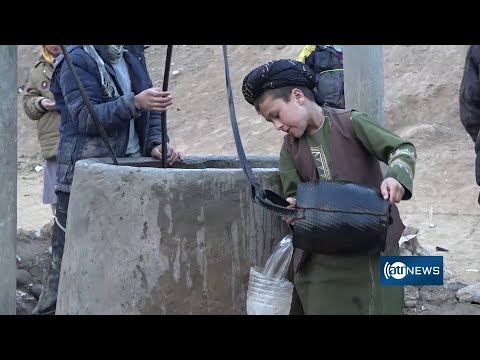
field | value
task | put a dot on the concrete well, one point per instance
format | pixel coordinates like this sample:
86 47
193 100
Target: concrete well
146 240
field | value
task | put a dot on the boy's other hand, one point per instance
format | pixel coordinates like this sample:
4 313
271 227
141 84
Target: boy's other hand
172 154
392 190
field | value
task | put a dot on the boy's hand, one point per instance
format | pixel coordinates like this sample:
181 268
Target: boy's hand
293 203
48 104
172 154
153 99
392 190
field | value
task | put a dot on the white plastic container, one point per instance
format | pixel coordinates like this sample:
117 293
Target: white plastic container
267 295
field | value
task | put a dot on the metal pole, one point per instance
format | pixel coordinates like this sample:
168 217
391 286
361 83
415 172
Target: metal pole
8 178
163 118
363 78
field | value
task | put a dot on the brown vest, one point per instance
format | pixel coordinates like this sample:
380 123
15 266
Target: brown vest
350 161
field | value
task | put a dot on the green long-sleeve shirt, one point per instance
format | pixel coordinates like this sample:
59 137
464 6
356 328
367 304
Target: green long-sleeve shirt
399 154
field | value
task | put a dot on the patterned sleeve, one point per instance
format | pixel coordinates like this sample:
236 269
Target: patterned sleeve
400 155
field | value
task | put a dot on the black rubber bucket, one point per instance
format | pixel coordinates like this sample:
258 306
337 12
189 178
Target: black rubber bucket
335 217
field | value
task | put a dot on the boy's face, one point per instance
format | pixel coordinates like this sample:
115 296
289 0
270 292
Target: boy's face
290 117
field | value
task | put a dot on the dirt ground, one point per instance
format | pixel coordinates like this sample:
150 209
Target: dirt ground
421 96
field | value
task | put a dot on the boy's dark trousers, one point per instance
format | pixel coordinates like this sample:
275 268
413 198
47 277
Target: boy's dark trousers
48 299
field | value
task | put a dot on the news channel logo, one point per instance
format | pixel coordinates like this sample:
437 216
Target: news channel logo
411 270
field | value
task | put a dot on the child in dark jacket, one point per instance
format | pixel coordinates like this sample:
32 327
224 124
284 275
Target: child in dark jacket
469 97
